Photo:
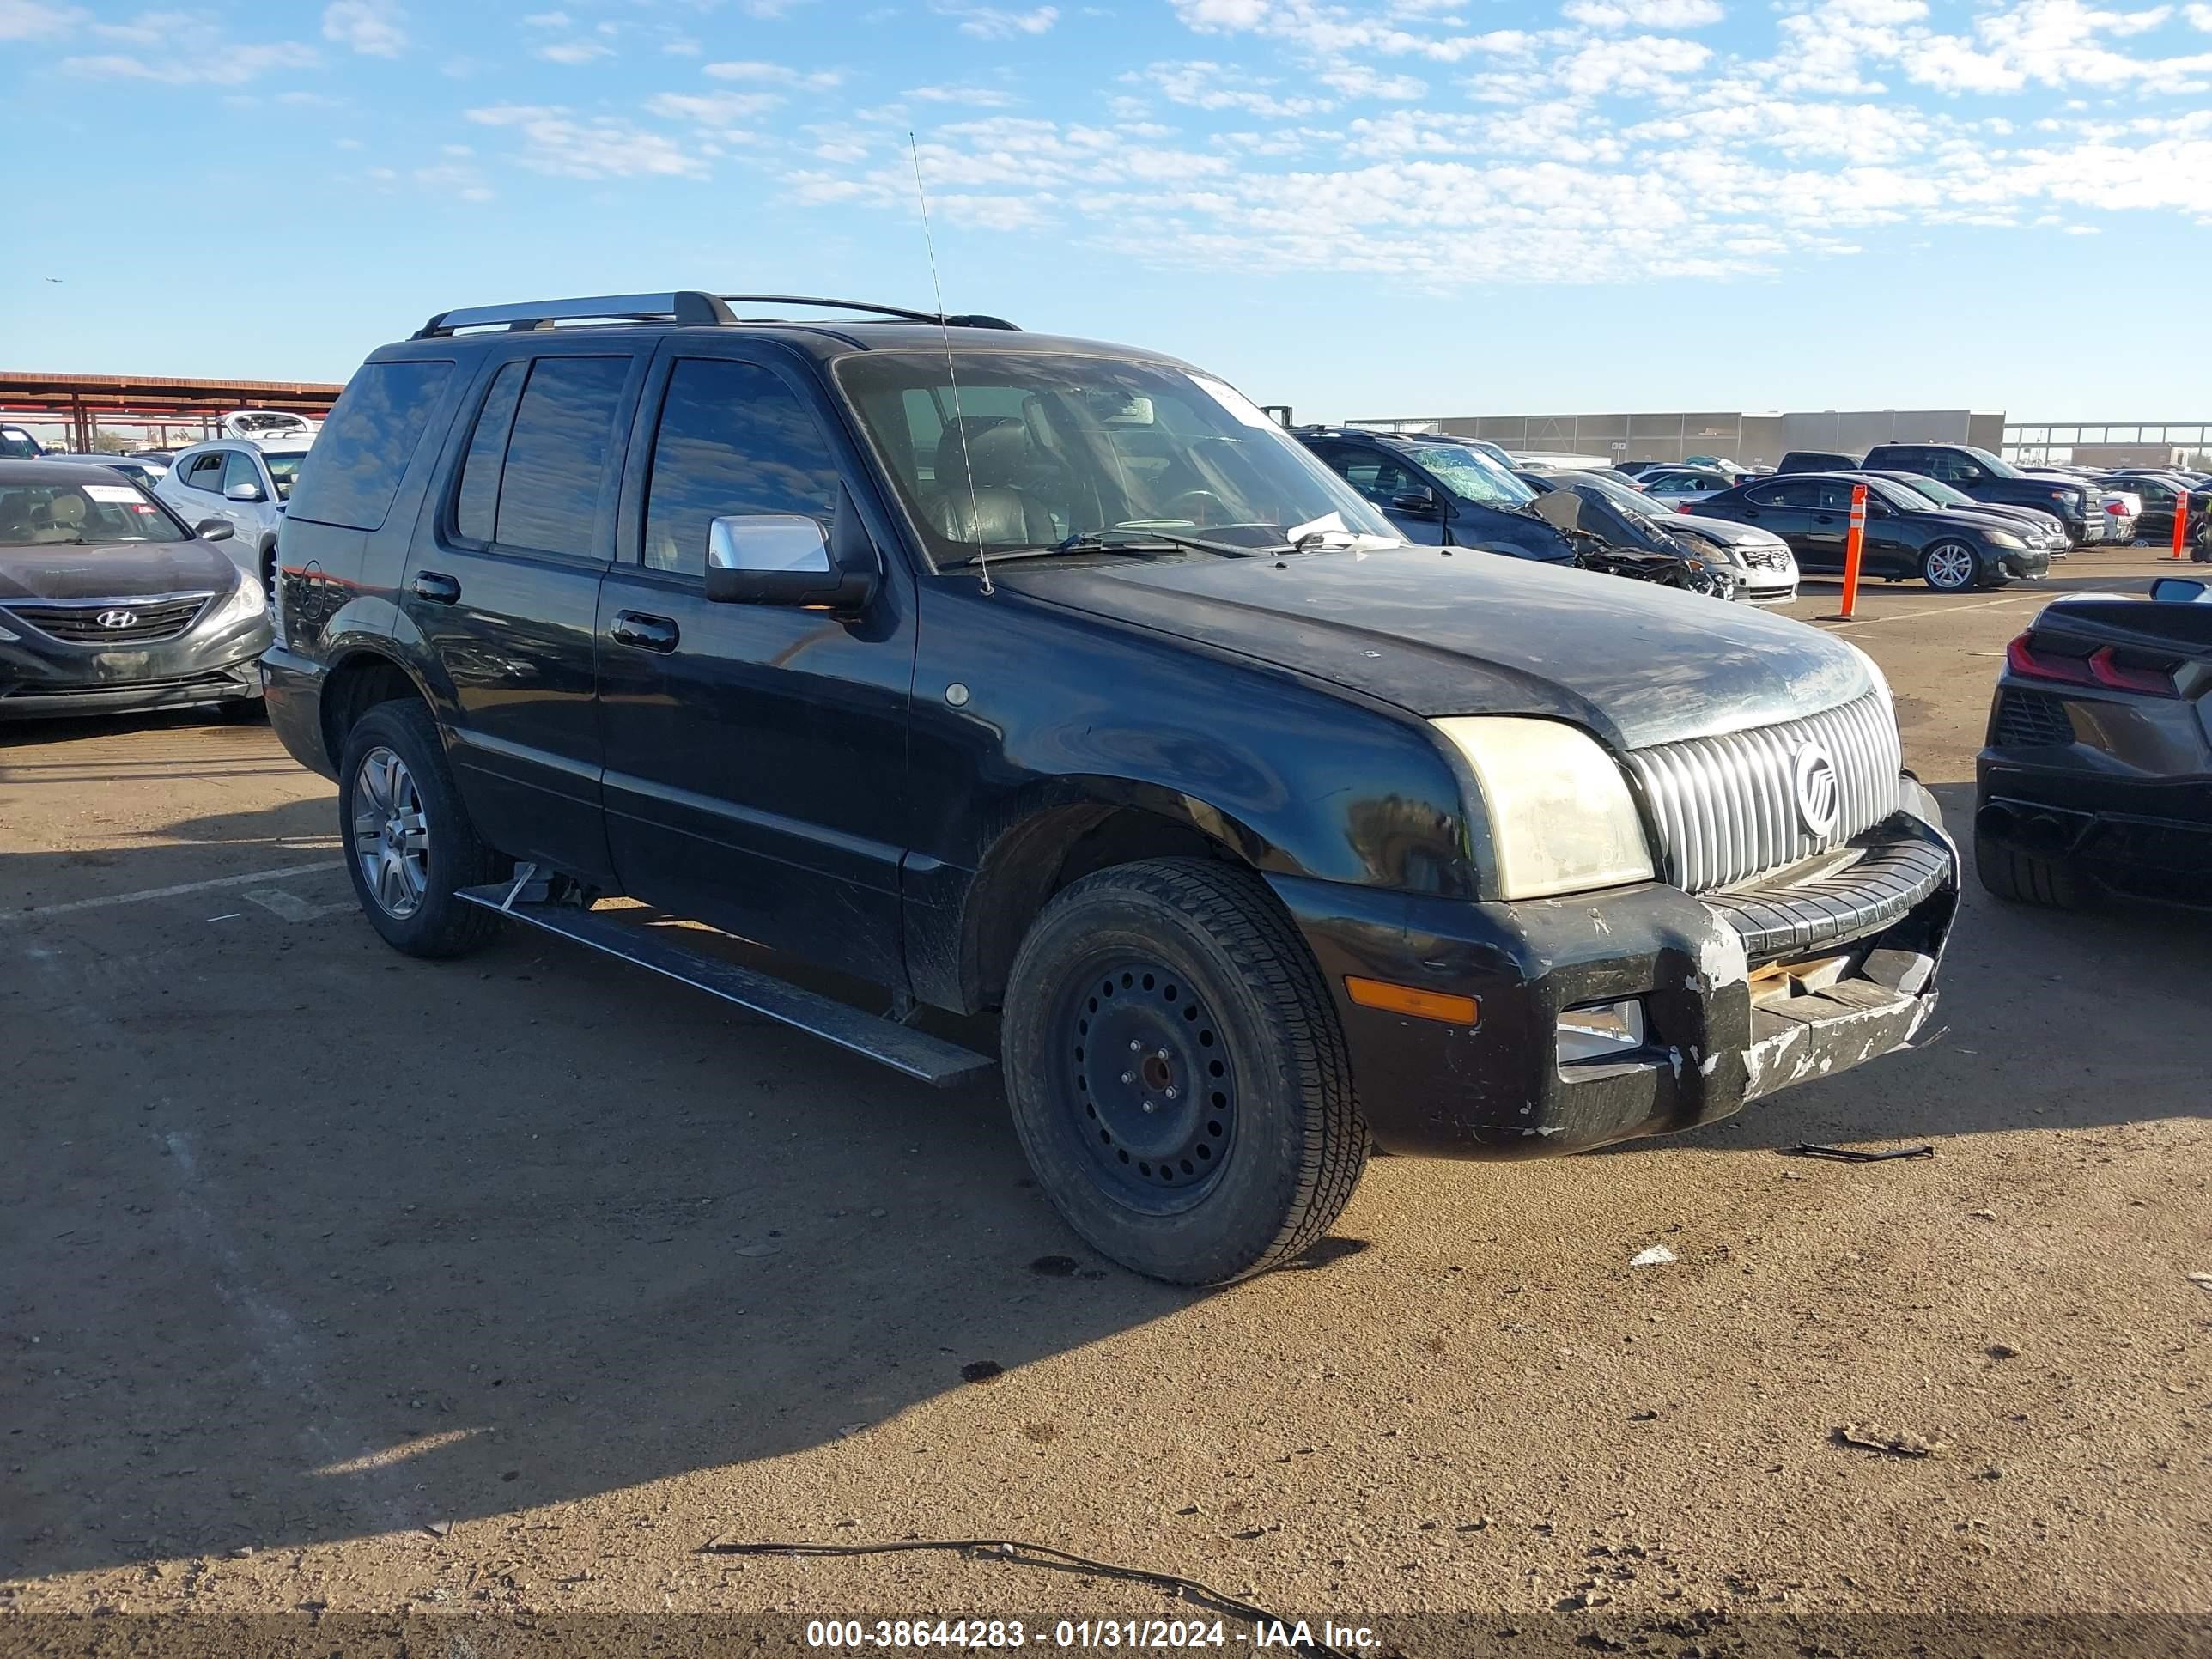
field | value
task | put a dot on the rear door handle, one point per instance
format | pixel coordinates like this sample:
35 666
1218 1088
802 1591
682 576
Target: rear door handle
646 632
437 586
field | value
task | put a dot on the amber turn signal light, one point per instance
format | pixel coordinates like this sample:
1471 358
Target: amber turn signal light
1409 1000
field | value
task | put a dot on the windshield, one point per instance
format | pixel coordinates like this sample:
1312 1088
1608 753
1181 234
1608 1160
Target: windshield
1908 497
1472 476
1935 490
282 469
1996 466
1627 498
1036 447
248 424
33 515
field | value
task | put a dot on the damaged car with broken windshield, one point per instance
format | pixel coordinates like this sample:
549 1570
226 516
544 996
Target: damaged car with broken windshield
1026 676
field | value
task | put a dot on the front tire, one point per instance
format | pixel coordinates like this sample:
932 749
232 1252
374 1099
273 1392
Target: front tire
408 842
1176 1073
1950 567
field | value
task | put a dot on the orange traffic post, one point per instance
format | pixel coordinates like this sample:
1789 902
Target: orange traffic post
2180 519
1854 545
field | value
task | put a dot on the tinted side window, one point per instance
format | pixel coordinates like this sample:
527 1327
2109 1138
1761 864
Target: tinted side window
238 468
1832 496
556 459
732 442
475 505
1781 494
351 475
206 472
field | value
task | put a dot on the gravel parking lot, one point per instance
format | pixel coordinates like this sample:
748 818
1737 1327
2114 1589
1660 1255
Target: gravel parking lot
335 1279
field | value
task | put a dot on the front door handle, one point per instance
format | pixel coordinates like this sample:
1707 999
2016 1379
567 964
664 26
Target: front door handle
437 586
646 632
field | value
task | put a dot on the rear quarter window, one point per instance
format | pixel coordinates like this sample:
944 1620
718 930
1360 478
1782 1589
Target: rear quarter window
353 472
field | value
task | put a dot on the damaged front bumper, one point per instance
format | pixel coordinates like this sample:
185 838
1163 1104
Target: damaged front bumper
1641 1010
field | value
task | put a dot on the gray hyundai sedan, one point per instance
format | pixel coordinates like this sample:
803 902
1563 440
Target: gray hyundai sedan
109 603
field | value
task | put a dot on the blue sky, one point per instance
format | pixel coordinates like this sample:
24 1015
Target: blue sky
1357 206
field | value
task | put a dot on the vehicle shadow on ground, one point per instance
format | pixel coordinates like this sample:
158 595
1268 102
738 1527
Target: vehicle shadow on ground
308 1239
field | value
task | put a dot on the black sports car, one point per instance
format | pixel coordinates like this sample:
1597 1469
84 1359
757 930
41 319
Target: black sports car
2098 770
109 602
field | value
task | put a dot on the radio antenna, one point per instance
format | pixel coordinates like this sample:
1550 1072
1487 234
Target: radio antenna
944 328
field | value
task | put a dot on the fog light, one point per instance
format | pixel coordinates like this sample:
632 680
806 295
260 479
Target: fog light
1600 1029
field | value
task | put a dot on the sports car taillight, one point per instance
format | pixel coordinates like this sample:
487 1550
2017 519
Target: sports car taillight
2100 668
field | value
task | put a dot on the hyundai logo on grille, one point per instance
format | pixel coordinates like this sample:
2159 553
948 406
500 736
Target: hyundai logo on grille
1817 789
117 618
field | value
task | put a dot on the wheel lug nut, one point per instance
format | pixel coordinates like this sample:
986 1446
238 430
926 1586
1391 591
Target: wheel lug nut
1128 1077
1173 1093
1150 1107
1135 1047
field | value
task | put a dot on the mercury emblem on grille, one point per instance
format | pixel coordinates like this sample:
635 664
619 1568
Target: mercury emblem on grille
116 618
1817 790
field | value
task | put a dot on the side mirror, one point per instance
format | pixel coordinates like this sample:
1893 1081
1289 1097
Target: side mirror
243 492
1419 503
214 530
788 559
2181 590
1968 475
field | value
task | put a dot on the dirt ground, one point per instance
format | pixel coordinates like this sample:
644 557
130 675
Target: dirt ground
332 1278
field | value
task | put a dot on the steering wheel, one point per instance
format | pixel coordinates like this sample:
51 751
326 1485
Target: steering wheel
1198 505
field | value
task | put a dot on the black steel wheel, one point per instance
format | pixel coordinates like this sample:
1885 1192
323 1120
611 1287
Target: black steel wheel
1176 1073
1147 1071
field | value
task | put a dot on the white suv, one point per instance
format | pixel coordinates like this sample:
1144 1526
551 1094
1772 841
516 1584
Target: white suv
243 482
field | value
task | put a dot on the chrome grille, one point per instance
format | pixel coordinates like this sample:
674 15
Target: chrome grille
112 622
1726 807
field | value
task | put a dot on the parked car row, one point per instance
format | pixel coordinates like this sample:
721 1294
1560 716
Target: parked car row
1439 491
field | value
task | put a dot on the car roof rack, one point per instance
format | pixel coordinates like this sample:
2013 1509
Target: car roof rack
687 307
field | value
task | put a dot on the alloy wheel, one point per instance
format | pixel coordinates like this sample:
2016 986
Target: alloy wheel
391 834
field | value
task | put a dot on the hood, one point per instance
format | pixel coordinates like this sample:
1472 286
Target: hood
1981 518
120 570
1466 633
1726 531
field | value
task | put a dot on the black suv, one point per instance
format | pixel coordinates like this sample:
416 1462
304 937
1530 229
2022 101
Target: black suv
1026 674
1438 493
1989 478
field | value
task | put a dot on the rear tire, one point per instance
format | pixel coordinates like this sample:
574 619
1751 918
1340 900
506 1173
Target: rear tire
408 842
1176 1073
2024 878
1951 568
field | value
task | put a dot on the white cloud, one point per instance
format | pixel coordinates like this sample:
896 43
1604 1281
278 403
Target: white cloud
1201 85
779 75
1360 81
710 109
556 141
373 27
549 20
217 64
975 97
997 23
1645 13
27 20
574 52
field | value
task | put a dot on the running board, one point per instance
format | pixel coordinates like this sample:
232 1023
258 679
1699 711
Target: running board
902 1049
